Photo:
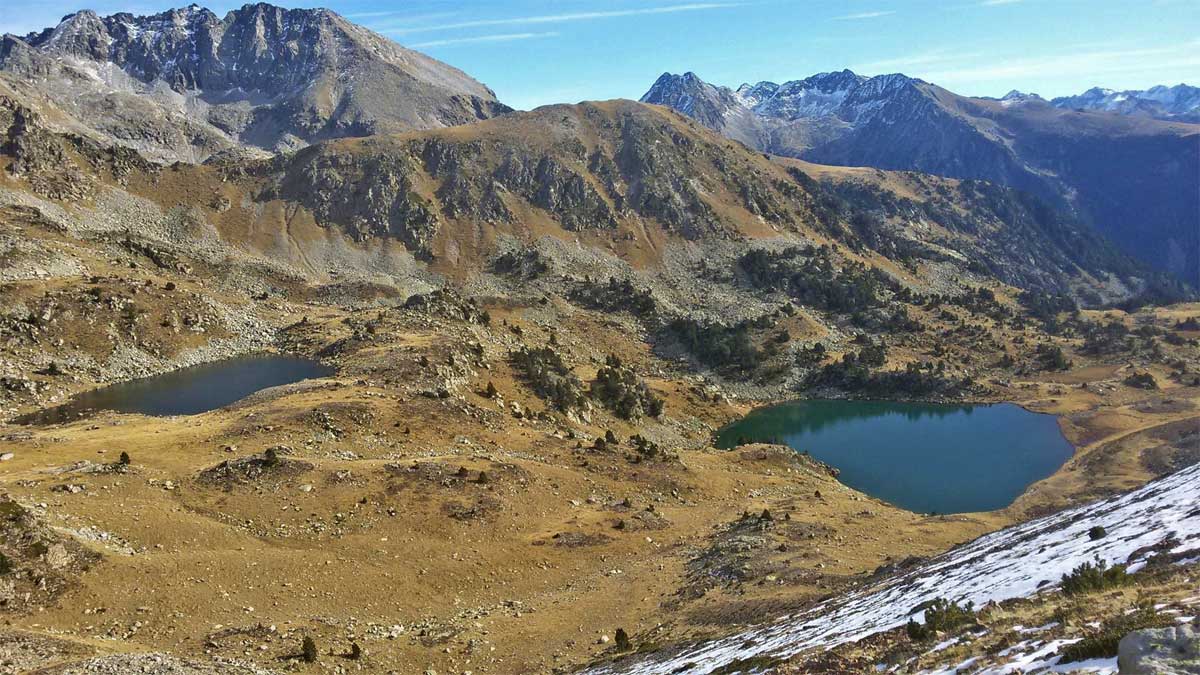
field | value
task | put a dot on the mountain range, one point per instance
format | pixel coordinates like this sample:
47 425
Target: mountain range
1131 175
185 84
1180 102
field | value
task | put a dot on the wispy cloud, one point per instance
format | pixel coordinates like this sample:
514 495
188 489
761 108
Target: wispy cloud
503 37
864 15
379 21
371 15
993 3
563 18
1089 64
926 58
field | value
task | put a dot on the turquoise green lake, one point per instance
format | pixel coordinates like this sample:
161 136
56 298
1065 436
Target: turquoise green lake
919 456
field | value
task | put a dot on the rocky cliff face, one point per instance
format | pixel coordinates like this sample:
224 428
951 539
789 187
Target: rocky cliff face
1128 175
185 83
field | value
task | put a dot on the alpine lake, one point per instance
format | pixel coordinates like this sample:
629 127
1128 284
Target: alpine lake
924 457
187 391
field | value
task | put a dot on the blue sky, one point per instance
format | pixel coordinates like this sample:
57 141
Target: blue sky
533 52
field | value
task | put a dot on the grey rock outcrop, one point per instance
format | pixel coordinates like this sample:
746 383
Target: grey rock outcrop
1160 651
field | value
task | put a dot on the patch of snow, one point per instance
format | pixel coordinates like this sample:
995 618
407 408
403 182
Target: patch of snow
1015 562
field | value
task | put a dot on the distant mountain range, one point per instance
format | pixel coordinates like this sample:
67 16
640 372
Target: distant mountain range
1125 162
185 84
1181 102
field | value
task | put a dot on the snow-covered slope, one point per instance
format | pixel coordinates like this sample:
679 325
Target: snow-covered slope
1015 562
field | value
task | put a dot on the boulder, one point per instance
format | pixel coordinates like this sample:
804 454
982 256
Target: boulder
1160 651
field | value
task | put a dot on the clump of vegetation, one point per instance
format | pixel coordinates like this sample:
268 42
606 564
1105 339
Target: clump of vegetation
726 348
1046 306
646 448
619 389
123 460
854 373
812 276
1190 323
941 615
1097 532
618 295
523 264
811 355
1104 642
622 641
308 649
1051 357
1104 338
6 565
550 377
1141 381
1091 577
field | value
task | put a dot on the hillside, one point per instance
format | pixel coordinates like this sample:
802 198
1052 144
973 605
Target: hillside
623 176
185 84
1155 525
1107 168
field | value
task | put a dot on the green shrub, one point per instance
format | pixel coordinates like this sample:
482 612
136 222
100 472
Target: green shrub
1051 357
1141 381
550 377
622 641
620 389
940 615
6 565
728 349
618 295
1091 577
308 649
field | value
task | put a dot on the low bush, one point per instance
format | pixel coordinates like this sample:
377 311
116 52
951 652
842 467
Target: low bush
941 615
308 650
620 389
550 377
1090 577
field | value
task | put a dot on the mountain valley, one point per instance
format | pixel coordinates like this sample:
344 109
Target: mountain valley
537 322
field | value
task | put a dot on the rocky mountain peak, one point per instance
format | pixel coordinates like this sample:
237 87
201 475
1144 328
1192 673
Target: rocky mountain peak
694 97
262 76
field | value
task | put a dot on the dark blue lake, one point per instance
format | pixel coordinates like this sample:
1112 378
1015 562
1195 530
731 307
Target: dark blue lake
919 456
186 391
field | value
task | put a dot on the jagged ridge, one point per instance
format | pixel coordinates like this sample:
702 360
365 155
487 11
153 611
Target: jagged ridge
262 76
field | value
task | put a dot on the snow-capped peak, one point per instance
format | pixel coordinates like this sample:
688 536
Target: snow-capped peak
1180 102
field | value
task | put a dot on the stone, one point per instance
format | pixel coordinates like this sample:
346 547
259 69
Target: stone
4 457
1160 651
